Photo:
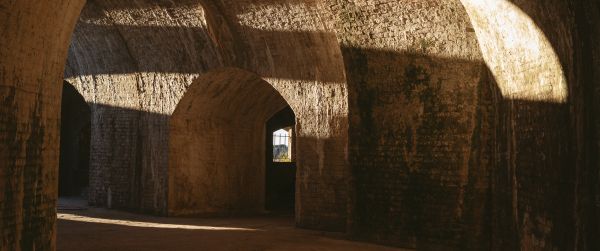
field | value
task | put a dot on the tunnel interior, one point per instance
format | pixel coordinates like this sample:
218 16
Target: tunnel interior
74 144
431 125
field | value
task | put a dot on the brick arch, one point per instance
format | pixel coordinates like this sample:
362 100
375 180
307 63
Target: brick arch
151 64
216 161
30 90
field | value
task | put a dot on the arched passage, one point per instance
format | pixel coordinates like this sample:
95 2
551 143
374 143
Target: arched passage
216 151
31 91
74 143
281 161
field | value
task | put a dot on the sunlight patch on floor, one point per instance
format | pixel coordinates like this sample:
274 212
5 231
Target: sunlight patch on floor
80 218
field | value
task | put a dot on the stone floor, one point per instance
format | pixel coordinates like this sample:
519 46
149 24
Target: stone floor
82 228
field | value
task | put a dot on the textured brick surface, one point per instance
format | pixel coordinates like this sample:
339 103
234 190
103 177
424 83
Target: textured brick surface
416 84
119 62
460 159
217 163
30 91
116 62
454 125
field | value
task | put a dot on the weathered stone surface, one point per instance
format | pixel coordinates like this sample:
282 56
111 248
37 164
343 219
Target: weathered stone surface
452 124
33 46
156 52
416 85
216 146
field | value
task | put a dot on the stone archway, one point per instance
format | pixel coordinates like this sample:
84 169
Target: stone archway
30 93
216 163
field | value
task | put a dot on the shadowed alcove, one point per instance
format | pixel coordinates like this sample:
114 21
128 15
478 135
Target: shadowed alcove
74 143
281 161
216 163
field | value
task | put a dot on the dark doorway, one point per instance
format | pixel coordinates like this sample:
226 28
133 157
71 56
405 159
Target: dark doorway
281 162
74 144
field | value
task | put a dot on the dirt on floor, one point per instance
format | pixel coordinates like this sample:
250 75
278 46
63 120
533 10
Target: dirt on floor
83 228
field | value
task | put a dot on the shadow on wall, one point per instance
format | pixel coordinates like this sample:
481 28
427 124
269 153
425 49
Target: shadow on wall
437 166
437 163
216 163
117 179
294 64
26 207
411 169
116 170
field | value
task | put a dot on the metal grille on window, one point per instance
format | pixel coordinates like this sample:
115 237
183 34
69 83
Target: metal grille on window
282 148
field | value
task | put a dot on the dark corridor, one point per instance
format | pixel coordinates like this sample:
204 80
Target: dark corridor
74 143
280 173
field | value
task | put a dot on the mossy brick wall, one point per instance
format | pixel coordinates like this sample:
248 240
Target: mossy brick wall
419 123
418 138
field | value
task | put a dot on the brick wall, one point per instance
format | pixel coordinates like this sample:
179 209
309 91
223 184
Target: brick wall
467 124
291 45
133 84
478 164
134 62
415 83
216 145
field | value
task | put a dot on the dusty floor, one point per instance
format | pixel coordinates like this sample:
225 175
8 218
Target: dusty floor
81 228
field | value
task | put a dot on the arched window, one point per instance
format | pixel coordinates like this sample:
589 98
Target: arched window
282 145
